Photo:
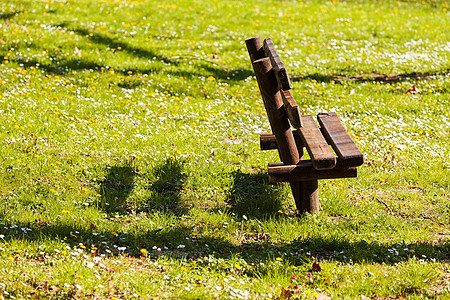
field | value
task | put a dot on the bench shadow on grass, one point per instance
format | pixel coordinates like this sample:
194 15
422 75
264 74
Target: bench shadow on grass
252 196
166 185
115 188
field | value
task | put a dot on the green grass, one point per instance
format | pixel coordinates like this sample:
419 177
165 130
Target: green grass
130 164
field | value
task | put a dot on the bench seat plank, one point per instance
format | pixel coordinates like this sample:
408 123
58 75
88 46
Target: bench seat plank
316 145
338 137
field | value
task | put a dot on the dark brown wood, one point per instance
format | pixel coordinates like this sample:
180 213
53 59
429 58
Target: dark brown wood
305 171
310 190
338 137
292 109
268 141
255 48
274 84
316 145
256 52
280 70
276 111
276 164
304 190
305 196
268 86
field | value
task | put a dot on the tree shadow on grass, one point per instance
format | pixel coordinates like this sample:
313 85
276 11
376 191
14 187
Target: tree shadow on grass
252 196
217 72
102 39
227 74
172 237
369 77
178 242
61 65
181 242
7 16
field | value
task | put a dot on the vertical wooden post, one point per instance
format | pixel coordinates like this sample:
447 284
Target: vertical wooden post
309 195
305 193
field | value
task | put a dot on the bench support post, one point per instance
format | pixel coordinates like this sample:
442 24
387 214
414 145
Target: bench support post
307 199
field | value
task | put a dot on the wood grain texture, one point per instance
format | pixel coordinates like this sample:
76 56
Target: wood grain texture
305 171
255 48
280 70
316 145
276 111
268 141
292 109
305 193
338 137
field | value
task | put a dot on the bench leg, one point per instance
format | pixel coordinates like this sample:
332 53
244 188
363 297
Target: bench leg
306 196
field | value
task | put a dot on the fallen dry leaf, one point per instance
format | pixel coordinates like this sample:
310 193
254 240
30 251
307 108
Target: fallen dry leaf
286 294
316 267
413 90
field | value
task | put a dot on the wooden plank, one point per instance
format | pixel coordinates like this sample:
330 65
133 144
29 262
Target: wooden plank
255 48
276 164
305 170
292 109
305 193
338 137
280 70
273 102
276 111
316 145
268 141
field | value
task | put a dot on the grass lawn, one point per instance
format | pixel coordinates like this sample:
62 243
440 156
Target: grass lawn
130 163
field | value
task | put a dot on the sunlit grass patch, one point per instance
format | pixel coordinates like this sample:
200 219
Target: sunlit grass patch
130 164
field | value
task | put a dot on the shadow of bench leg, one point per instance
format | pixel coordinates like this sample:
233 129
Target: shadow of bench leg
306 196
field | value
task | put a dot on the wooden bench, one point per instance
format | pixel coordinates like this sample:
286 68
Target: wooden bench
284 114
